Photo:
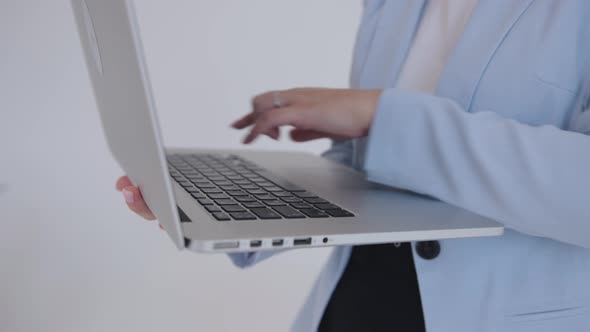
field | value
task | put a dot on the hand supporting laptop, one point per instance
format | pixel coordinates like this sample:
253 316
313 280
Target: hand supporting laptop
313 112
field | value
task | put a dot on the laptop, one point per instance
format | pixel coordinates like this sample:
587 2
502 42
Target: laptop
242 200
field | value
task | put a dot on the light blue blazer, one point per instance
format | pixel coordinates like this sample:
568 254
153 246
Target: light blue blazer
505 136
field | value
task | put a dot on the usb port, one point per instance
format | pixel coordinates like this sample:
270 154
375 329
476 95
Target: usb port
277 242
255 243
302 242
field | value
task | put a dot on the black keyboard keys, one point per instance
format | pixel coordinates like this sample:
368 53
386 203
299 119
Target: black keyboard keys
316 200
251 205
221 216
243 216
274 202
212 208
226 201
301 206
304 194
327 206
288 212
242 199
339 213
314 213
232 188
218 196
233 208
265 213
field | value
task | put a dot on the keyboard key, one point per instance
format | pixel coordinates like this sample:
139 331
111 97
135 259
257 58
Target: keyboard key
212 208
288 186
243 216
316 200
251 205
256 191
275 202
205 185
301 206
339 213
198 195
245 199
227 201
288 212
327 207
249 186
274 189
265 213
314 213
233 208
193 190
205 201
220 183
291 200
221 216
304 194
211 190
229 187
282 193
237 193
218 196
265 197
266 184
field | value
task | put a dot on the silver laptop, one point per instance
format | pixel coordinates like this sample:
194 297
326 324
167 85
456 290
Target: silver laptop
236 201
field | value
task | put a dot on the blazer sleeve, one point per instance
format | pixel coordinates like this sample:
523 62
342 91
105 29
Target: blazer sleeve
340 152
530 178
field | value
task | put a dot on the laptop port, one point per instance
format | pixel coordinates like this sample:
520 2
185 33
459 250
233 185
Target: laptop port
226 245
277 242
255 243
302 241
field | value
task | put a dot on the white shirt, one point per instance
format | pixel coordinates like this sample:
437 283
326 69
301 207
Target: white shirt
440 28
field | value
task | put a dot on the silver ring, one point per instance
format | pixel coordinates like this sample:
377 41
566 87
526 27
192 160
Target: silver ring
276 100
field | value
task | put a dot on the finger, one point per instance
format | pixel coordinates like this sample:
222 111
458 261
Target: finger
267 101
264 103
302 135
245 121
136 203
123 182
274 133
274 119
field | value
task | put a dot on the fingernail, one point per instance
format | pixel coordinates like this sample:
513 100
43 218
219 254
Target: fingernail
129 197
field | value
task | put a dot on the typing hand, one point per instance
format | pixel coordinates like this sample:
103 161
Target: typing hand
312 112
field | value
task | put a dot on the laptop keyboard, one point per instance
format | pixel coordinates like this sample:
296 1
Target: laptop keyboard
231 188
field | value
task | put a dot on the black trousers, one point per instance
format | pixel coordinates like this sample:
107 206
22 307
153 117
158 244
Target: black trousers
378 291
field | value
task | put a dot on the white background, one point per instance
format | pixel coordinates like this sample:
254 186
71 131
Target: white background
72 258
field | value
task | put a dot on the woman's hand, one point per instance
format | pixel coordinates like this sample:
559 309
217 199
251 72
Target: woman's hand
134 199
314 113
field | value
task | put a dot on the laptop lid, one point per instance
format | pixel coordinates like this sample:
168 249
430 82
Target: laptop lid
109 35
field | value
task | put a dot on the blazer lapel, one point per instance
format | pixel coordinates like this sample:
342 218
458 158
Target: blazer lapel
490 22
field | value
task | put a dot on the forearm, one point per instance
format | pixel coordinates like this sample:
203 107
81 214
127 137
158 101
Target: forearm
525 177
